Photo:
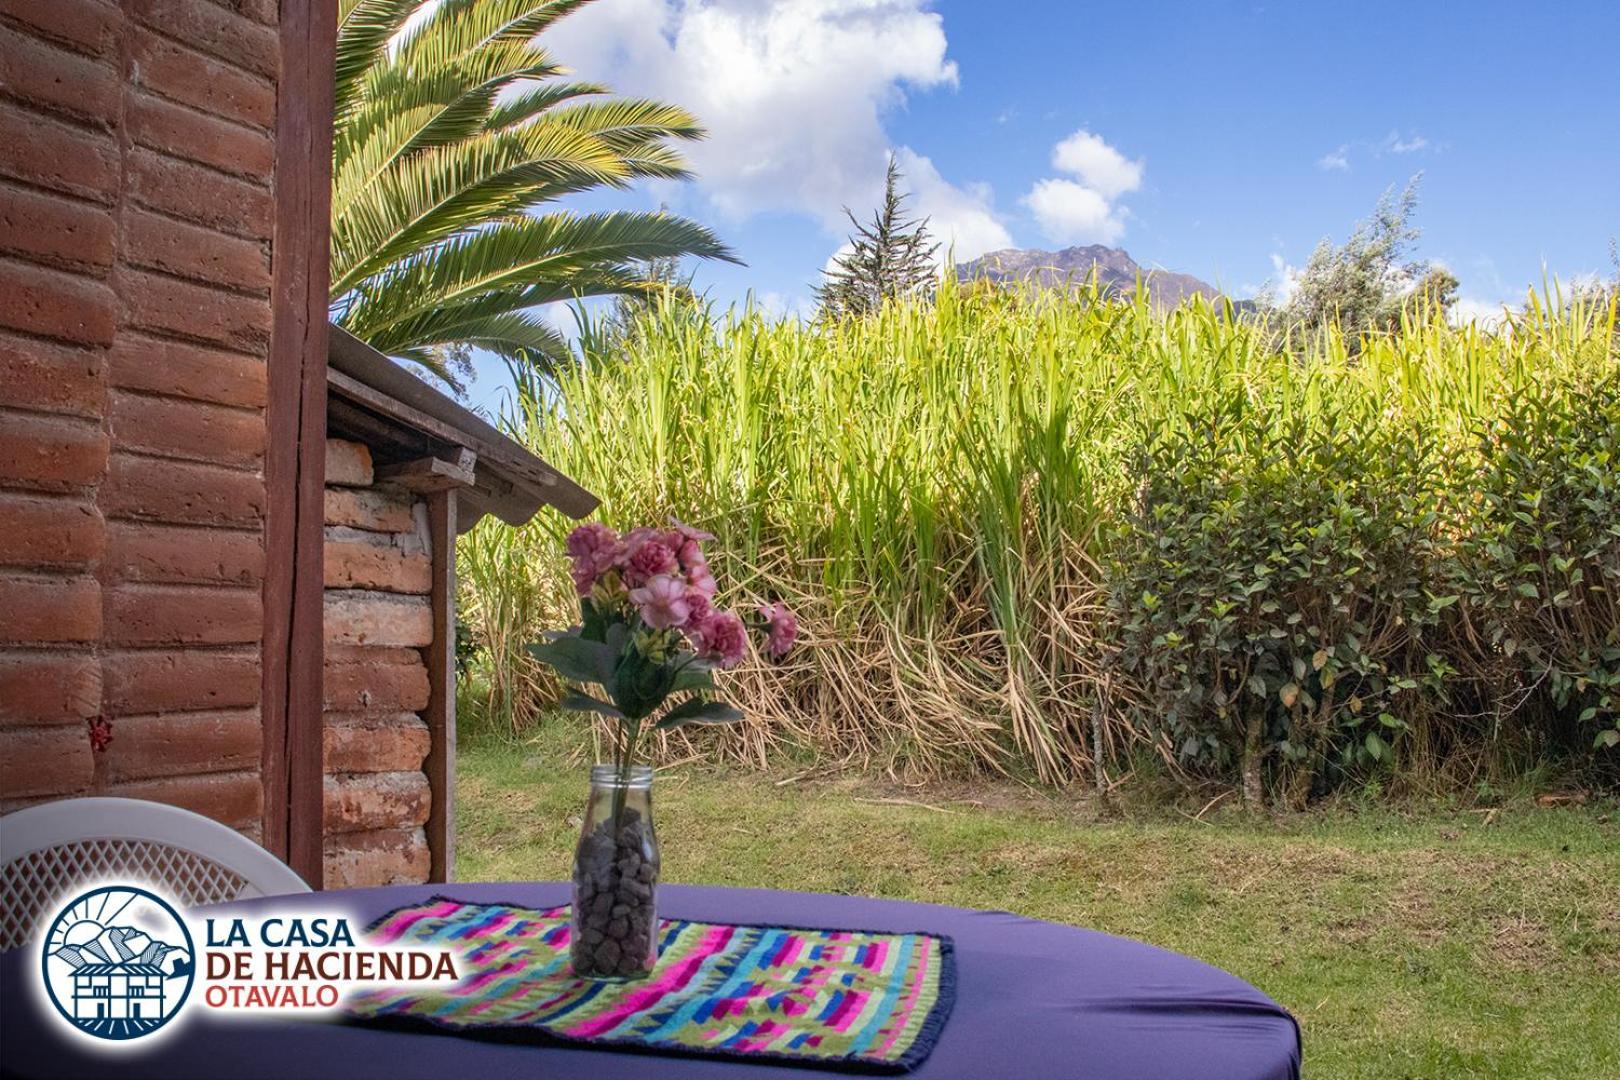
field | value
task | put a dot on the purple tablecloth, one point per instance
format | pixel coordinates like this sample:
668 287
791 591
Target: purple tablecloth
1033 999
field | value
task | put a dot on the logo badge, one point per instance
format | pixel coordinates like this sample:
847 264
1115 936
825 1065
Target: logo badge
118 962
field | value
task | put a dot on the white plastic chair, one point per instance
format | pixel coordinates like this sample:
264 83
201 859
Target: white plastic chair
48 849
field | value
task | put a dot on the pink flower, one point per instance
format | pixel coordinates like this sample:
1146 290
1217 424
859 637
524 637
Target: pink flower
698 602
781 629
662 602
649 560
594 549
720 637
689 532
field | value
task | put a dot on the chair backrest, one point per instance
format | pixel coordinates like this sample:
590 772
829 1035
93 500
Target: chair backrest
47 850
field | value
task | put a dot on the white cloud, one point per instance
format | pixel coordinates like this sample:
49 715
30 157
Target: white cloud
1098 165
1084 210
963 220
1072 213
1396 143
793 92
1486 313
1338 159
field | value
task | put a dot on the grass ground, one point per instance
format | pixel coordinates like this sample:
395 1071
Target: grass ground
1433 942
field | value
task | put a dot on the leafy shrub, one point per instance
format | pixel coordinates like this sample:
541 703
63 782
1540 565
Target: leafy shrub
1272 585
1538 567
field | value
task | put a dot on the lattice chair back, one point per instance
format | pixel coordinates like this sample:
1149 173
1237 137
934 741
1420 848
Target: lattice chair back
48 850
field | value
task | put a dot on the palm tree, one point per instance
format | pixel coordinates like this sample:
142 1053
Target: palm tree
453 127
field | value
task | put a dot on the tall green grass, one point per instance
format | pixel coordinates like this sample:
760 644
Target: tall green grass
939 491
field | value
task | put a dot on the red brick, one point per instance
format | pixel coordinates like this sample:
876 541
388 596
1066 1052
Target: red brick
190 371
89 25
197 136
45 377
48 688
51 453
357 801
187 429
40 74
201 195
144 747
57 156
235 799
167 305
215 31
182 615
60 534
184 493
173 680
376 857
49 610
189 77
56 231
52 304
363 617
45 761
191 251
348 464
396 742
376 686
354 564
374 511
177 554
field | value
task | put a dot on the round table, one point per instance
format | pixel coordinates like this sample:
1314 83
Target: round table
1033 999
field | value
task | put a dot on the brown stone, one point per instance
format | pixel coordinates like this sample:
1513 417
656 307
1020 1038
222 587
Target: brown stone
57 231
195 252
49 610
348 464
52 378
185 493
376 685
140 551
178 369
395 742
191 78
145 747
56 155
375 510
214 30
200 194
48 688
375 563
90 26
186 133
178 428
356 801
234 799
49 533
182 615
363 617
44 761
176 679
51 453
376 857
168 305
53 304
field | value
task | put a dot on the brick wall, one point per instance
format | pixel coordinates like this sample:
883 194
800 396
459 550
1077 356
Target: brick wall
136 214
378 618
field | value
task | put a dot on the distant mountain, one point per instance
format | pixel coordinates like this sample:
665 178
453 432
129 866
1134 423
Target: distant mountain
121 945
1116 272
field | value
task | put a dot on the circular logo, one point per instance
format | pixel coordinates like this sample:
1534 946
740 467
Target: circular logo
118 962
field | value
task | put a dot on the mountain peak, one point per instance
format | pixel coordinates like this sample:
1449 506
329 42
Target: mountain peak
1072 267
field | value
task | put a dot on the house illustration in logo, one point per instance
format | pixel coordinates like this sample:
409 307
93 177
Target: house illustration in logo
113 980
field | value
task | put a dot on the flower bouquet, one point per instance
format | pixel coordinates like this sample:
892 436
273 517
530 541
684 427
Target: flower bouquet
651 638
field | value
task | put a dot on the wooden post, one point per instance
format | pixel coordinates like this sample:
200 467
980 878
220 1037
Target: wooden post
441 710
295 457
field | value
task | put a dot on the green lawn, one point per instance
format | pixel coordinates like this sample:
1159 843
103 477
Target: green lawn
1429 943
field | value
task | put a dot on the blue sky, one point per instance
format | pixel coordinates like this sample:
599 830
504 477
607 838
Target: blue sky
1223 140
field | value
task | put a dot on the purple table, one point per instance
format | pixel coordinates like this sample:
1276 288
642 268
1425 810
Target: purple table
1034 999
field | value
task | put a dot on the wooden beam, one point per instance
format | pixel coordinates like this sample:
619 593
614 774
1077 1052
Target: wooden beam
440 766
426 474
295 427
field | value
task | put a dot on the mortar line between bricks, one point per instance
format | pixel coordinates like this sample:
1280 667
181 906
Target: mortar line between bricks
55 115
159 395
159 272
155 455
56 194
240 178
152 92
246 25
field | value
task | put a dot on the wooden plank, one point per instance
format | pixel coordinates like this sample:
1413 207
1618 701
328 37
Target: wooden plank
295 423
440 766
427 474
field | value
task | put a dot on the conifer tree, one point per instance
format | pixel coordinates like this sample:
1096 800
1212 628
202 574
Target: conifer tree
890 258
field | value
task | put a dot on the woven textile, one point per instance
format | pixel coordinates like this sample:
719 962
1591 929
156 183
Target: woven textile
837 999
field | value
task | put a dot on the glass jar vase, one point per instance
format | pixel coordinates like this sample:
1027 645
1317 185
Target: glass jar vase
615 921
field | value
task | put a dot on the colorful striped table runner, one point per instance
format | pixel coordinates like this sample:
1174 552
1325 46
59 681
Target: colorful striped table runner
845 1000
